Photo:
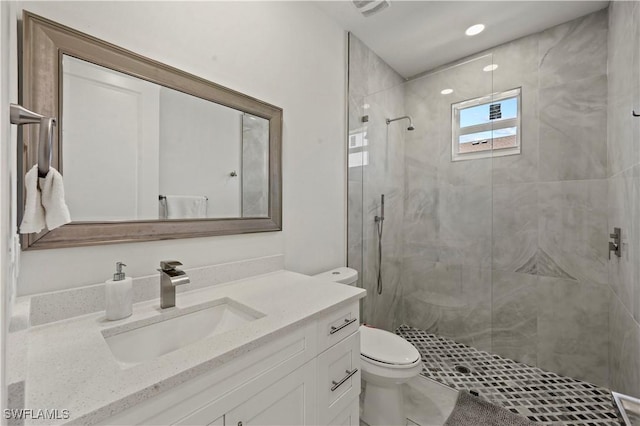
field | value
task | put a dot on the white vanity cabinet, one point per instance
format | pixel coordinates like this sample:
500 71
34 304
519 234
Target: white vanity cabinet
309 375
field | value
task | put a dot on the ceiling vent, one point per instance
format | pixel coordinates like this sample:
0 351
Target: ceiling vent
370 7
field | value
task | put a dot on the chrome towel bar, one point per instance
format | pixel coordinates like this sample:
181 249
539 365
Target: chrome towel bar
20 115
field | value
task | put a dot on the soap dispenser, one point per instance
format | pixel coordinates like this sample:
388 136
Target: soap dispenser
119 295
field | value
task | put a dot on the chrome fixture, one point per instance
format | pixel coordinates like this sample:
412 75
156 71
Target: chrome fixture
20 115
170 277
614 246
380 224
408 117
370 7
346 323
348 375
119 275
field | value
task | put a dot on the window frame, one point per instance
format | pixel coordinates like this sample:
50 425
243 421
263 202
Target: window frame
456 131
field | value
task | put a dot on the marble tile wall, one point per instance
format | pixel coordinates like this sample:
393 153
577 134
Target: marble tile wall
510 254
375 90
623 171
255 166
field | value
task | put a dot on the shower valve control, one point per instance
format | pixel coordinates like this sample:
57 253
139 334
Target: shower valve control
614 246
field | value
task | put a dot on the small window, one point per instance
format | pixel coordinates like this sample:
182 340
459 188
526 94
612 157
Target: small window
358 148
487 126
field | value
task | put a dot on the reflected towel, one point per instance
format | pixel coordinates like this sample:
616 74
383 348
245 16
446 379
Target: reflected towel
186 206
55 208
33 218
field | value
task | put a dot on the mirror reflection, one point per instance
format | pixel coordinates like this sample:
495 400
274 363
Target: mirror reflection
134 150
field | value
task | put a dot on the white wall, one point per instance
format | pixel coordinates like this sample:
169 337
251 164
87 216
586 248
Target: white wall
200 144
285 53
8 93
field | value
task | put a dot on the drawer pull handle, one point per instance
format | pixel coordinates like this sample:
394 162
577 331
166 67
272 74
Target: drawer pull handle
347 322
336 385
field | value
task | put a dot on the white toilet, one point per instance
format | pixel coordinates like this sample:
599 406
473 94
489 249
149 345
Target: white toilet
387 361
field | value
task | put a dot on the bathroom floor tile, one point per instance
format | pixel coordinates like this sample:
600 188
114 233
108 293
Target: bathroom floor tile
536 394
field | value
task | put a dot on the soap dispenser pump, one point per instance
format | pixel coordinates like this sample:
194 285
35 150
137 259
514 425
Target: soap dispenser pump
119 295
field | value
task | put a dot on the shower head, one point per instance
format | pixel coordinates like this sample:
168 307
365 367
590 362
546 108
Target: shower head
408 117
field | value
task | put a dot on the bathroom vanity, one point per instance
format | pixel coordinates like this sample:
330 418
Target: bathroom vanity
278 348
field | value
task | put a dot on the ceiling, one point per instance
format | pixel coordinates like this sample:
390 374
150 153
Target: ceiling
418 36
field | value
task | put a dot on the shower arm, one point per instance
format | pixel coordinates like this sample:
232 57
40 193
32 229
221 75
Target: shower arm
391 120
404 117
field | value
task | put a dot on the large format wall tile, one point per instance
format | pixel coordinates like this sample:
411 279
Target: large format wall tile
635 239
574 50
623 86
573 333
622 130
464 214
573 130
622 43
451 301
515 225
624 349
573 227
623 213
421 225
514 331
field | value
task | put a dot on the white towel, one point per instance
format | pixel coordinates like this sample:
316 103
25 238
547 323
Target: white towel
55 208
186 206
33 217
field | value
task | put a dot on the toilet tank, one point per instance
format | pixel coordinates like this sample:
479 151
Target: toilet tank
342 275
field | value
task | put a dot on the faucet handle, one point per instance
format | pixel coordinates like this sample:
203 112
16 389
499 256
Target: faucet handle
169 265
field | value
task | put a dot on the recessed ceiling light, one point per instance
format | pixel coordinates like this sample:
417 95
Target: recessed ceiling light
446 91
474 30
491 67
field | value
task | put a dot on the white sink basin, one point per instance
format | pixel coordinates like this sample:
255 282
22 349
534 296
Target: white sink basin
164 335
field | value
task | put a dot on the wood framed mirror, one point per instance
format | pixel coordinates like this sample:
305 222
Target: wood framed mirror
135 135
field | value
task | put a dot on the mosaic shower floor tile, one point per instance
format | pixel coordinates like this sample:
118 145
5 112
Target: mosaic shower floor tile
539 395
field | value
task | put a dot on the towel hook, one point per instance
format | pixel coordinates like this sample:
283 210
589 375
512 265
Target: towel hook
20 115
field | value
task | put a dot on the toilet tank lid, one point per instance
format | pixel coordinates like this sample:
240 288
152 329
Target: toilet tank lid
341 275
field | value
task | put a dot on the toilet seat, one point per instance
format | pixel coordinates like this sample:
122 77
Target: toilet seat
385 349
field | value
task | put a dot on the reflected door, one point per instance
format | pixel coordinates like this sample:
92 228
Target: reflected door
110 155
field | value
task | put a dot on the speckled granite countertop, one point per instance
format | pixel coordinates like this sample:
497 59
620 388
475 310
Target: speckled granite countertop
71 367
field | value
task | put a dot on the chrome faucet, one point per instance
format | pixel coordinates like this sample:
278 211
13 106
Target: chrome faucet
170 277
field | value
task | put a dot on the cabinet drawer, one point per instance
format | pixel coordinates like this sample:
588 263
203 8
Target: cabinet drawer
349 417
336 325
288 402
338 378
205 398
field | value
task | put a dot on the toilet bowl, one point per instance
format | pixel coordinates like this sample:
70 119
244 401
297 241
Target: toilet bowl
387 361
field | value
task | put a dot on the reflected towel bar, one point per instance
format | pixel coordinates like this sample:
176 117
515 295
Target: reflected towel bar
20 115
164 197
